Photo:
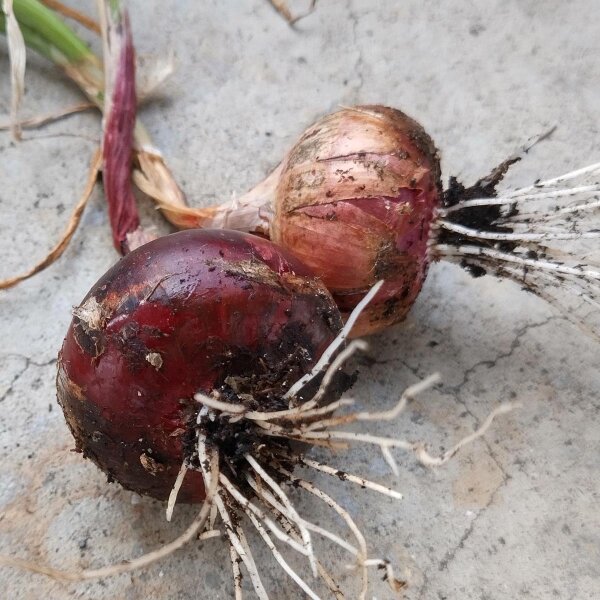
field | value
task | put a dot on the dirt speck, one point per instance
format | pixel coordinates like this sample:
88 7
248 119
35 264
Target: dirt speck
155 359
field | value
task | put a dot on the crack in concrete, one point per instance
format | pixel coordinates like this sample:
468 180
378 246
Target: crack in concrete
455 392
451 554
28 363
11 385
490 363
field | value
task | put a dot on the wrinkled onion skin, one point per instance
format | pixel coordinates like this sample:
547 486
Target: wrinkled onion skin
355 203
177 316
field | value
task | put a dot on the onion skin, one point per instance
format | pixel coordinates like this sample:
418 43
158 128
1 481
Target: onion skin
355 202
177 316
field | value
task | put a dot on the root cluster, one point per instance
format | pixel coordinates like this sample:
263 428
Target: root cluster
542 236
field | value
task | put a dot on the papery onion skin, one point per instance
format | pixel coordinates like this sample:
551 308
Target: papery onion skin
176 316
355 202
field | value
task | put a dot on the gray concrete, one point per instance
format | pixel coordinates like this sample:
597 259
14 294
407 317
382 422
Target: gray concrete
514 516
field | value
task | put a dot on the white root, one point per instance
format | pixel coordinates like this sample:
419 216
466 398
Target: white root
254 514
395 584
333 347
214 403
235 534
513 198
362 561
212 517
577 207
279 558
242 549
175 491
300 412
555 181
531 192
520 270
549 227
209 534
286 502
330 582
305 411
434 461
417 447
560 287
250 564
390 460
516 237
533 263
287 525
249 507
345 515
408 394
237 575
339 360
364 483
272 502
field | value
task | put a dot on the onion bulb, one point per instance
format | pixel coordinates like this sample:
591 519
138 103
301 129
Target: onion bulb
202 368
354 202
194 311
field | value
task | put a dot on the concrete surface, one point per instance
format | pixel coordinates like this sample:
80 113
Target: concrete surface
514 516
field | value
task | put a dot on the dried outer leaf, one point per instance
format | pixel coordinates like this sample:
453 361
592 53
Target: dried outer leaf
16 53
281 7
41 120
62 244
251 212
119 121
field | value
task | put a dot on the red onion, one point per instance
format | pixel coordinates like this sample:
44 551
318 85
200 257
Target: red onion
194 311
354 202
359 198
201 367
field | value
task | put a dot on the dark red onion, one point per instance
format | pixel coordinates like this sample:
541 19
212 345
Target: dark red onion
188 312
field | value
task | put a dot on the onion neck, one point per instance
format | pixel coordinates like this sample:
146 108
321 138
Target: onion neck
252 212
